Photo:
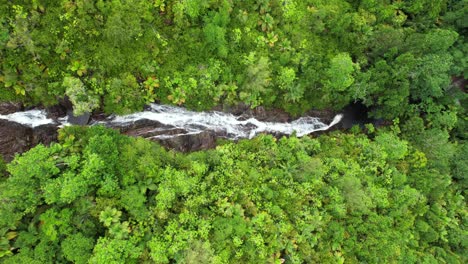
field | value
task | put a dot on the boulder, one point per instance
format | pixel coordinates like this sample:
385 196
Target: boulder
14 138
81 120
45 134
139 125
260 113
189 143
151 130
56 111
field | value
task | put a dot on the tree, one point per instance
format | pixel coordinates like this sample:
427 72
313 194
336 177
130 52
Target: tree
257 81
77 248
83 101
124 94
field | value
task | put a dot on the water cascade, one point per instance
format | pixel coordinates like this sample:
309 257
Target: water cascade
188 122
31 118
224 124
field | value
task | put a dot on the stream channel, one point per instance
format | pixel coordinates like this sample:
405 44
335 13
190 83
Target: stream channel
174 127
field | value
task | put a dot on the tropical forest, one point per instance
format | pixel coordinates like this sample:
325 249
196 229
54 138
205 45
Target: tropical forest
321 131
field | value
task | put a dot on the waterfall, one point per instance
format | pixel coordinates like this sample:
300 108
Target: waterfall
232 127
189 122
31 118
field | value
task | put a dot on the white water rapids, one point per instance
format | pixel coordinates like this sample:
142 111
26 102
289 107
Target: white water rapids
232 127
32 118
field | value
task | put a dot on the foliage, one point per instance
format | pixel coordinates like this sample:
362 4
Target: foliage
101 197
396 195
81 99
296 55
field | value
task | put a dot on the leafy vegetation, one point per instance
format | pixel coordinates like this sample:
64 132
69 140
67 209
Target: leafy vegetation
101 197
118 55
388 195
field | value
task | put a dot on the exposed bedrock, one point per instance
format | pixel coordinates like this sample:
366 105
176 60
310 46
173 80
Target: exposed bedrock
17 138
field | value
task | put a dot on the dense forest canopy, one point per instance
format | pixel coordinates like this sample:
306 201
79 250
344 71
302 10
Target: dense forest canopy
396 56
394 194
102 197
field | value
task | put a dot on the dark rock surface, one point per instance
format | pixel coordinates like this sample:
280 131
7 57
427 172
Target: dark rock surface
150 129
81 120
56 111
354 114
8 108
45 134
16 138
138 128
189 143
260 113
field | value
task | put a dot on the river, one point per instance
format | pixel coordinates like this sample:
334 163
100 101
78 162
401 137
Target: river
176 127
178 118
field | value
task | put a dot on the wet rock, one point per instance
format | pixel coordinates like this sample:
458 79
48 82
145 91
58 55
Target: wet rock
45 134
65 108
273 115
148 129
142 128
8 108
66 103
325 115
17 138
151 132
168 136
81 120
56 111
139 125
14 138
98 116
260 113
236 110
189 143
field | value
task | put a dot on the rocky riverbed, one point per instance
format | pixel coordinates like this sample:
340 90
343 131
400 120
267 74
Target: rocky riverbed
175 128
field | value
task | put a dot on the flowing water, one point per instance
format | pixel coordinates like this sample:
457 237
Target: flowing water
180 119
32 118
